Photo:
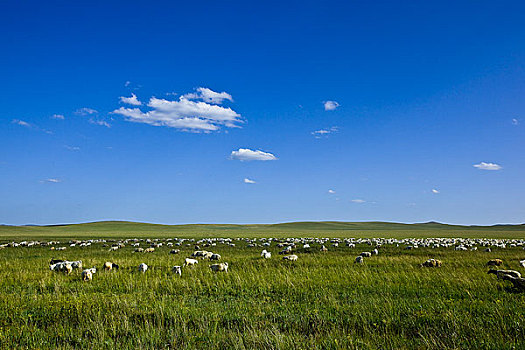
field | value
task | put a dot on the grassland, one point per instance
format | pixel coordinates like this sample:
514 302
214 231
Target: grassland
322 301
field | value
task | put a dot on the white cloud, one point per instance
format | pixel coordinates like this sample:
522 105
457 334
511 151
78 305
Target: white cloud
184 114
100 122
358 201
487 166
245 154
325 132
131 100
127 83
72 148
21 123
330 105
515 121
52 180
331 191
86 111
58 116
248 181
209 96
435 191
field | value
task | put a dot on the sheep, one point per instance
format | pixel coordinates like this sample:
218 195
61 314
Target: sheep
266 255
149 250
375 252
64 266
139 250
55 261
522 263
500 273
76 264
495 262
219 267
359 260
108 266
175 251
215 257
177 270
87 275
432 263
143 267
324 249
292 257
190 262
366 254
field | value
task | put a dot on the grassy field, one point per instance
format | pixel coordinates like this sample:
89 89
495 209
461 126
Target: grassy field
322 301
124 229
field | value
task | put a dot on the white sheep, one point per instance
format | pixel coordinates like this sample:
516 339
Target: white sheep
177 270
190 262
366 254
219 267
292 257
143 267
215 257
87 275
359 260
522 263
266 255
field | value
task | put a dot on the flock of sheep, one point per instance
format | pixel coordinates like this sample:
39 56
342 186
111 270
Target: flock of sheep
289 248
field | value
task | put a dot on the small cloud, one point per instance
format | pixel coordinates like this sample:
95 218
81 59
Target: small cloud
515 121
358 201
86 111
487 166
58 116
331 191
131 100
435 191
72 148
325 132
127 83
210 96
245 154
21 123
330 105
248 181
99 122
54 181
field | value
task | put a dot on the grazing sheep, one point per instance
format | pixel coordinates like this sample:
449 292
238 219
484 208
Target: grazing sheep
495 262
108 266
175 251
488 250
76 264
366 254
149 250
500 273
522 263
143 267
359 260
177 270
219 267
432 263
64 266
375 252
292 257
266 255
87 275
55 261
215 257
324 249
139 250
190 262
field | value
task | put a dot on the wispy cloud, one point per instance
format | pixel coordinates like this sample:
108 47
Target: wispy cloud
133 100
187 113
330 105
248 181
72 148
99 122
515 121
359 201
435 191
488 166
58 116
245 154
54 181
331 191
325 132
21 123
86 111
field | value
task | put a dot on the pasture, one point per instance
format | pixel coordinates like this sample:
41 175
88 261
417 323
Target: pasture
323 300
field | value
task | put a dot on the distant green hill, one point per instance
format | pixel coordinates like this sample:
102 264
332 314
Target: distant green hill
128 229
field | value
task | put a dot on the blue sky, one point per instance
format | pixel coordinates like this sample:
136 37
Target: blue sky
262 112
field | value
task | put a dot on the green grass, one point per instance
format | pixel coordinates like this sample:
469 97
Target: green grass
322 301
124 229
